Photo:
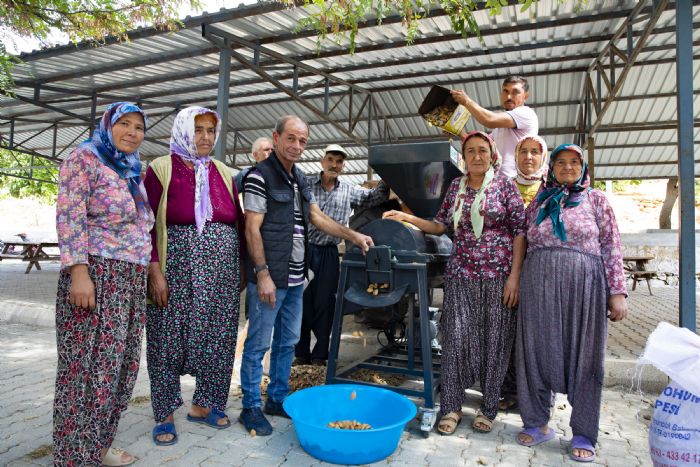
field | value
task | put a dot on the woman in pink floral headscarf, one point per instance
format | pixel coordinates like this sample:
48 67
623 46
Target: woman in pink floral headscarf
484 211
194 275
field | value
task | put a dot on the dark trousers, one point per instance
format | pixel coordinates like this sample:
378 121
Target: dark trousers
319 302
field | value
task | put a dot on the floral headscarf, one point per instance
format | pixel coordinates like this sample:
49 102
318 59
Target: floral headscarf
555 196
182 144
127 166
539 175
479 203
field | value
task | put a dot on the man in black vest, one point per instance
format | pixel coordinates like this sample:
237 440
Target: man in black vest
279 206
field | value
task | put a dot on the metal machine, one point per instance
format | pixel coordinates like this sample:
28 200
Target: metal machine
409 261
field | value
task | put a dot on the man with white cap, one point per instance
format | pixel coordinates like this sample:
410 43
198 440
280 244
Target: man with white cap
336 199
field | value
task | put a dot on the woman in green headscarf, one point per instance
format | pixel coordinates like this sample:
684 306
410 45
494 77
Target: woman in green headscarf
484 213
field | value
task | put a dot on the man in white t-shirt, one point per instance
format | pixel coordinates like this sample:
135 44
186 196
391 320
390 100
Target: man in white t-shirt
517 121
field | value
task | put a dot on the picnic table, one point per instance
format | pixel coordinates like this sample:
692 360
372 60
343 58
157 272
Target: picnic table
636 269
31 252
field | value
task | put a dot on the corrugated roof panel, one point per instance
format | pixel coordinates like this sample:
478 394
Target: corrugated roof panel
399 89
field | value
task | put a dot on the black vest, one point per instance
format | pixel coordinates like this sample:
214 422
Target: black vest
277 229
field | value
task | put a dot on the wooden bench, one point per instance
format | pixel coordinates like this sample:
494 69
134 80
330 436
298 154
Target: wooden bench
39 255
638 276
636 270
31 252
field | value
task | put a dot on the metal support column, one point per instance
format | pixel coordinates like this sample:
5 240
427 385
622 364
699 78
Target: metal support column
686 165
12 133
54 140
93 115
222 98
591 159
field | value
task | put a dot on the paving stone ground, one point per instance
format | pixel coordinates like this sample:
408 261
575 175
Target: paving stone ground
28 359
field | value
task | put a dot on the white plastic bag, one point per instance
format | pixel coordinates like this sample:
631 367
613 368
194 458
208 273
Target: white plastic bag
674 434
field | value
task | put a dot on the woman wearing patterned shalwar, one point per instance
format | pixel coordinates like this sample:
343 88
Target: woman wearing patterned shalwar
485 212
102 220
531 165
572 276
194 277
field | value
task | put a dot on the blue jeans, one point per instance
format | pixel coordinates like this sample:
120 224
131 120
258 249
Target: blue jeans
285 318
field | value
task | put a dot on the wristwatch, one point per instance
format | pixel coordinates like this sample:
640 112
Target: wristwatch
261 268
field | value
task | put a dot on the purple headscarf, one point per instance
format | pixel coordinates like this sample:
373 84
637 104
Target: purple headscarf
182 144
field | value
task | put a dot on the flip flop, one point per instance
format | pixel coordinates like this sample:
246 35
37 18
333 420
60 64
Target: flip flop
164 429
212 419
581 442
113 458
537 436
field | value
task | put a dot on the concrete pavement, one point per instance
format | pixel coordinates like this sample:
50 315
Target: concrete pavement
27 366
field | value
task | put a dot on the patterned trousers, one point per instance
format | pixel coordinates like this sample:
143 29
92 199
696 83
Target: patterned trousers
98 359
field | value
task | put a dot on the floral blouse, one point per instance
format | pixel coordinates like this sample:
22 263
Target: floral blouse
491 256
590 228
96 214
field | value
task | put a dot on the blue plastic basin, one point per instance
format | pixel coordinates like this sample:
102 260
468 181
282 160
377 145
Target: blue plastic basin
314 408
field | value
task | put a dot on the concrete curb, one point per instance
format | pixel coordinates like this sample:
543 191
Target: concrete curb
33 314
634 376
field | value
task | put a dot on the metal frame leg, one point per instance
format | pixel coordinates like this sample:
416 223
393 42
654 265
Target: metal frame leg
337 326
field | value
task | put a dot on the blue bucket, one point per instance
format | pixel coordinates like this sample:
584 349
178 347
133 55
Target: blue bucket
312 409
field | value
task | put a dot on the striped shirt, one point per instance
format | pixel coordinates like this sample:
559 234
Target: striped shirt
255 200
339 203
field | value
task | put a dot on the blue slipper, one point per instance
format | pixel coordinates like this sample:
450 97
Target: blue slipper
164 429
212 419
581 442
537 436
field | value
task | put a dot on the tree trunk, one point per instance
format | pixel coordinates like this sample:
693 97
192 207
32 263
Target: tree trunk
671 197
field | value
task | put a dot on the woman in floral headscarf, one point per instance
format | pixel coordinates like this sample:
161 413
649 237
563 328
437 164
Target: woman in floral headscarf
572 281
102 221
485 213
194 276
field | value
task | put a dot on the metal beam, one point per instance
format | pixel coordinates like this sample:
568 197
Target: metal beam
591 160
222 98
484 33
384 64
686 166
209 31
212 36
2 174
32 153
641 41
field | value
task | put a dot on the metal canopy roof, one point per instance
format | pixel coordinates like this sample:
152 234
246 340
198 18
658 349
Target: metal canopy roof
275 71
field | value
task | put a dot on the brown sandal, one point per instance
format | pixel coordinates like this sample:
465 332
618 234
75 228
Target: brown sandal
507 403
448 423
482 419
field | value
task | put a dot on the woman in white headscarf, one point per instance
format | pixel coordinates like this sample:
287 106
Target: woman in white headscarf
194 275
531 164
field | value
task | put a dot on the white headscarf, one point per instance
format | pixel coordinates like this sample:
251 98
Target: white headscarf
539 175
182 143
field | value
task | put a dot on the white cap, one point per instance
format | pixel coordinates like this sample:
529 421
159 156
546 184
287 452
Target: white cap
336 148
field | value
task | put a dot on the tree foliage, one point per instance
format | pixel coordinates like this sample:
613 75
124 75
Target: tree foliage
21 188
80 20
340 19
